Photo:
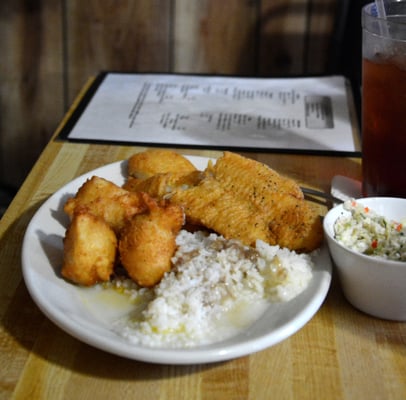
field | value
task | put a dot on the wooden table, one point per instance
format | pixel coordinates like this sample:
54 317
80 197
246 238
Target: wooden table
340 354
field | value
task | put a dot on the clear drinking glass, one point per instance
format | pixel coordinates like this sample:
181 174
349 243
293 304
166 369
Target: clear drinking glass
384 100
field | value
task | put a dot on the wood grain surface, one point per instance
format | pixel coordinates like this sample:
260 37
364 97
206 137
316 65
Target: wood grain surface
340 354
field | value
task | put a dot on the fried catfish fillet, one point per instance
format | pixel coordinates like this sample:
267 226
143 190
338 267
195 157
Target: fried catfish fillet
151 162
251 179
288 222
148 242
90 247
209 205
107 200
246 200
243 199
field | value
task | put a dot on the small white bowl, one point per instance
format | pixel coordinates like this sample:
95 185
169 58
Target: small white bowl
373 285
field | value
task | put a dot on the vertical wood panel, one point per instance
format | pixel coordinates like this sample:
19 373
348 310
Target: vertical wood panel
50 47
282 39
319 34
31 99
122 35
217 37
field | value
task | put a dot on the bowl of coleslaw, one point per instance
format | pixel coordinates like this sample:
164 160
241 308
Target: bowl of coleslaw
367 242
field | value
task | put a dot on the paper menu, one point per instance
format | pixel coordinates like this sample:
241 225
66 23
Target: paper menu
303 114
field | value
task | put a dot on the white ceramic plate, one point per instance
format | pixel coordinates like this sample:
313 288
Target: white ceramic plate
86 314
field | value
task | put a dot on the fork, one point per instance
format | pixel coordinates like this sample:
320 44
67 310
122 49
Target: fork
319 193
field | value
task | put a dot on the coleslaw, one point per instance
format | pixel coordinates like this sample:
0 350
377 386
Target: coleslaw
366 232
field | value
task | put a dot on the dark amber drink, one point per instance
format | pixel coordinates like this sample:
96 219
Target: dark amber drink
384 128
384 99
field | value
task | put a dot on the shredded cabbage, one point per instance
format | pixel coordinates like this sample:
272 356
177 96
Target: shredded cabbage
364 231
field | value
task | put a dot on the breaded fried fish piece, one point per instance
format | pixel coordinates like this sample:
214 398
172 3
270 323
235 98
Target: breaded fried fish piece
90 247
107 200
294 223
288 222
246 200
156 161
209 205
252 179
148 242
161 185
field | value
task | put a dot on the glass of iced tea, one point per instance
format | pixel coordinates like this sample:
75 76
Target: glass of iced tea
384 100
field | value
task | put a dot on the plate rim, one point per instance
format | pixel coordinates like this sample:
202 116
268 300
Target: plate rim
216 352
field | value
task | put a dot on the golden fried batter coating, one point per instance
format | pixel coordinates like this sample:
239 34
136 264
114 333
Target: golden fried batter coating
252 179
151 162
91 190
209 205
106 200
246 200
148 242
90 247
294 224
161 185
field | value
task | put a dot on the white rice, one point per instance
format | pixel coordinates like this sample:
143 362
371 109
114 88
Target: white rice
216 288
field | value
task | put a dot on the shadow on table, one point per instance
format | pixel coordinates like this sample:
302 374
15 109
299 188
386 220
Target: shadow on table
354 322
